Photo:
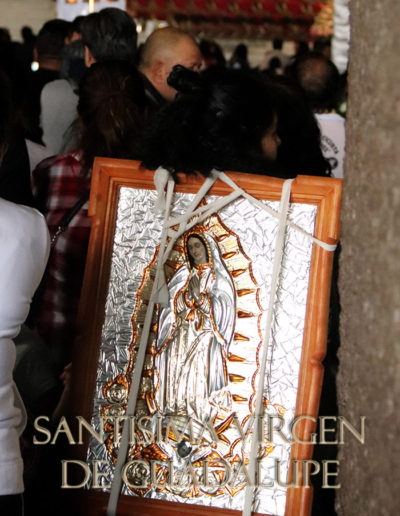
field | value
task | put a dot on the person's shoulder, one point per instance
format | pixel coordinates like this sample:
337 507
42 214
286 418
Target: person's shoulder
24 225
329 122
23 256
58 84
330 117
59 88
10 210
70 159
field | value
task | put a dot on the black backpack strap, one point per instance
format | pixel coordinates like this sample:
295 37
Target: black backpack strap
67 217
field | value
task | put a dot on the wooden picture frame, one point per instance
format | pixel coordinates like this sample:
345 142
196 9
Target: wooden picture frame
109 176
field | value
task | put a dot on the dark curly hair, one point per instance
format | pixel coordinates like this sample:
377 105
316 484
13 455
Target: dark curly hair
216 121
300 150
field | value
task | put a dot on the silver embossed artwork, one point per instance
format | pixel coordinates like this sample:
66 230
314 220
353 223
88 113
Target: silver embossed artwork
191 433
193 335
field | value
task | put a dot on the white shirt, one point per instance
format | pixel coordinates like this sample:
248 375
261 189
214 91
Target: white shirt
36 153
24 249
283 58
58 102
332 128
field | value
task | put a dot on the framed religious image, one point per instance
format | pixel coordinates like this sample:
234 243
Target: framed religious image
197 373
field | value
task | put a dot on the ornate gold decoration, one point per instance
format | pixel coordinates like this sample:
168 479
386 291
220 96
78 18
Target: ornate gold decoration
236 378
235 358
238 398
242 314
238 336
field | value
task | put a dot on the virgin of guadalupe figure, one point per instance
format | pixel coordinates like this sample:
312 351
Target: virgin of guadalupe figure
194 333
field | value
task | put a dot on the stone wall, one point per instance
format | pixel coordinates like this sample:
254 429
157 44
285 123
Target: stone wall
369 370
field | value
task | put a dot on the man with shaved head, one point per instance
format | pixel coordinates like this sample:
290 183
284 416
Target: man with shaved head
164 49
320 80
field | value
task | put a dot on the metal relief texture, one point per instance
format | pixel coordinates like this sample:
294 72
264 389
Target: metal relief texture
199 454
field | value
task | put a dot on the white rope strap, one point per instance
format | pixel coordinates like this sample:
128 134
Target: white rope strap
257 438
136 377
265 207
158 295
200 214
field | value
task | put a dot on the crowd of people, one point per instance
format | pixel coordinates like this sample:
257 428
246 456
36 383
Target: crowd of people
173 102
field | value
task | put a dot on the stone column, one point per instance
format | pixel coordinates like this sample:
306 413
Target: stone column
369 278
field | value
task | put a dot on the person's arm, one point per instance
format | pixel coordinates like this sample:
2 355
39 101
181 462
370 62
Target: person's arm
23 258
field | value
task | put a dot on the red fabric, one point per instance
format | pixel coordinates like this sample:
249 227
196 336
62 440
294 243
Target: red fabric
223 7
58 185
180 5
296 8
246 7
228 8
201 6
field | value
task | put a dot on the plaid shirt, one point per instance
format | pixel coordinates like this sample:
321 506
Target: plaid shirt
57 186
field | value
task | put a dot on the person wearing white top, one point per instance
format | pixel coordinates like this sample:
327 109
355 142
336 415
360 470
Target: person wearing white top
58 101
332 126
24 249
320 81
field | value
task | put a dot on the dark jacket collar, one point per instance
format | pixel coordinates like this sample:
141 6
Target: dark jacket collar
154 97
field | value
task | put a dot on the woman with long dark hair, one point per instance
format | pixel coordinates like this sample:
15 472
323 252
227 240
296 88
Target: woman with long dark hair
219 119
231 120
112 110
